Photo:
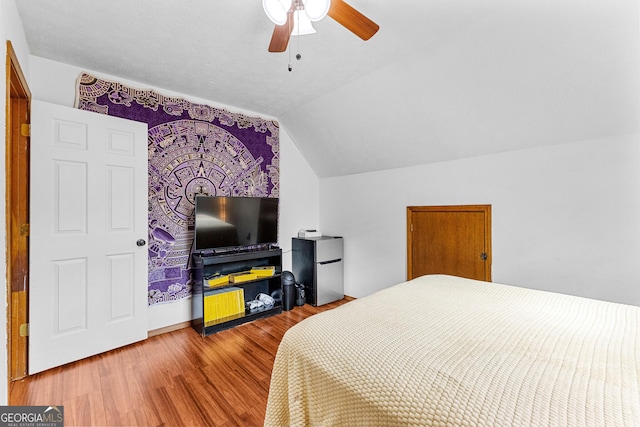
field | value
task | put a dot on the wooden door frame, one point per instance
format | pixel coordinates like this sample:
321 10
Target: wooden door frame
486 209
17 111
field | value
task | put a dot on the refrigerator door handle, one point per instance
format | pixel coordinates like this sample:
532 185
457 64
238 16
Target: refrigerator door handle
330 262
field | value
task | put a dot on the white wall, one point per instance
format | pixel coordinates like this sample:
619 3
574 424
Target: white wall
565 218
10 29
299 187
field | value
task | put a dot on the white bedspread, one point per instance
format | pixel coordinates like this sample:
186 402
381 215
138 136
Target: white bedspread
445 351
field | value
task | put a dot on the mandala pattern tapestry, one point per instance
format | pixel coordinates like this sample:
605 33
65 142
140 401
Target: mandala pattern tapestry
193 149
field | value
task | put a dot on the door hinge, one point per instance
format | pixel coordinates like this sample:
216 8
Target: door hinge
483 256
412 227
24 230
24 330
25 129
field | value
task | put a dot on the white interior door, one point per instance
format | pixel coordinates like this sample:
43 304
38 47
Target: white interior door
88 276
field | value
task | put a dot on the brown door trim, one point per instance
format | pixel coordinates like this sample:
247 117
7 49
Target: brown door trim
18 98
485 209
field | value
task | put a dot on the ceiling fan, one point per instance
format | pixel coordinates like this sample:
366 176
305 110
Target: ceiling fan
294 16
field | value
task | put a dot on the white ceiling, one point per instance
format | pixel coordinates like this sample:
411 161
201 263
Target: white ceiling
441 80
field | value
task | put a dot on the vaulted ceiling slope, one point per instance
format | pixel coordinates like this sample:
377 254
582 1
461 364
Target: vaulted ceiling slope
441 80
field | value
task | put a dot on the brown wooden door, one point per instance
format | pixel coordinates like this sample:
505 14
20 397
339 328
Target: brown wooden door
17 209
453 240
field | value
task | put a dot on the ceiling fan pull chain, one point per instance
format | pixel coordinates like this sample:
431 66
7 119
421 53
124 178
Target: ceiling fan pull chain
298 56
289 49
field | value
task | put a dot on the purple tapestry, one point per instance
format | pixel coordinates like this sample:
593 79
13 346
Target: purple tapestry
193 149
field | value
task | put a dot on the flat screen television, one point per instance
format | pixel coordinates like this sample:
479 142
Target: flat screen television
226 222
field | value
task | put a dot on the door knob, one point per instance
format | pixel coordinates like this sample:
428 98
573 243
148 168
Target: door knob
141 242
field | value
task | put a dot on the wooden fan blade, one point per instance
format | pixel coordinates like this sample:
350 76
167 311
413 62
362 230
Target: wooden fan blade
281 35
352 20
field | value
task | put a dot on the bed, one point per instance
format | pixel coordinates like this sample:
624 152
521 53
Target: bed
445 351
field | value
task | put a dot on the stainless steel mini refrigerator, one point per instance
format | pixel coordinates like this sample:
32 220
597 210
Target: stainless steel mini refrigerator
317 263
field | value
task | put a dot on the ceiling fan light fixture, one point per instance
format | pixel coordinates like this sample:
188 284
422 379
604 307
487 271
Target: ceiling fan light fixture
301 24
316 9
338 10
277 10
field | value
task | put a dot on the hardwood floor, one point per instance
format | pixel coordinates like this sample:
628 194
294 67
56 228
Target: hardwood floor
174 379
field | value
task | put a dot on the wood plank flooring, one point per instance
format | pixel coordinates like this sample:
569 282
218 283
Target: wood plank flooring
174 379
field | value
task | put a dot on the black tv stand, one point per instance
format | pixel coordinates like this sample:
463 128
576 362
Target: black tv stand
235 250
207 264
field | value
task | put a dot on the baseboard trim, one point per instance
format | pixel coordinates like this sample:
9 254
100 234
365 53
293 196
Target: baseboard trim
169 328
